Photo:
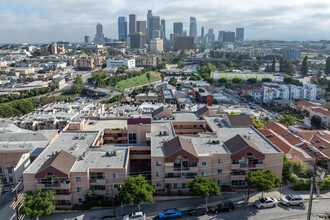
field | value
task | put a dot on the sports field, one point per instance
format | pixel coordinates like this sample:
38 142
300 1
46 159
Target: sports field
245 76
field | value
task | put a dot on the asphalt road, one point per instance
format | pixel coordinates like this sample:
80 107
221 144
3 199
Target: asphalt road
278 213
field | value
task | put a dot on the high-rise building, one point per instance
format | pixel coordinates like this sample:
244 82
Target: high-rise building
240 34
54 48
184 33
141 27
178 28
149 17
137 40
99 36
183 43
202 31
193 28
87 39
154 24
122 28
291 53
132 23
163 25
210 36
156 45
220 36
156 34
229 36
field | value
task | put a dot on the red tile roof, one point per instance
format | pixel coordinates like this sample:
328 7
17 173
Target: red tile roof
277 127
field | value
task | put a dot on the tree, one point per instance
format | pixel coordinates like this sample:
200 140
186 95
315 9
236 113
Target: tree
267 69
24 106
252 80
287 120
193 78
304 66
282 65
78 85
255 67
162 75
305 112
6 111
38 204
137 190
148 76
233 113
266 80
222 80
314 80
204 187
257 123
263 180
327 66
289 69
172 81
236 80
273 69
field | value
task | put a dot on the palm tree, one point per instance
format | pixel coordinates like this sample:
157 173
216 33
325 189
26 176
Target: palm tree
268 91
162 75
148 76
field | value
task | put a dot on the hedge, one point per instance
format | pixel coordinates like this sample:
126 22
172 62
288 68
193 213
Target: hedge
305 183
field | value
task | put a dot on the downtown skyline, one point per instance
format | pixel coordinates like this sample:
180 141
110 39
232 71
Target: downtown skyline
38 22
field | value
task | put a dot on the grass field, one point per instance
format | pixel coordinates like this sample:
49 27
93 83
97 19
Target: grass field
247 75
137 81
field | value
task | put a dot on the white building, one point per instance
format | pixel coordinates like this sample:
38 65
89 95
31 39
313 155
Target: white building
118 63
156 45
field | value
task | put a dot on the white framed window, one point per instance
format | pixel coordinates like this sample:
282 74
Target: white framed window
204 164
78 189
80 200
115 175
158 185
220 182
158 163
219 171
220 161
78 179
204 174
158 174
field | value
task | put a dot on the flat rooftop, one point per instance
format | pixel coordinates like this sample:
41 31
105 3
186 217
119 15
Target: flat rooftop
99 125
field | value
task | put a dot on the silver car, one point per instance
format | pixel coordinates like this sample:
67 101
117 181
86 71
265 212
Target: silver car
265 202
292 200
135 216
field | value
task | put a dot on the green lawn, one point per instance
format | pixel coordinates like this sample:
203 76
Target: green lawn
212 75
136 81
230 76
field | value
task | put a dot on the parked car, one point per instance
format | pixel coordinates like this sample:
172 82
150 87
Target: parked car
292 200
169 214
222 207
199 210
265 202
135 216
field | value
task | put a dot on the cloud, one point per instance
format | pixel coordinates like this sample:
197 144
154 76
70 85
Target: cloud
52 20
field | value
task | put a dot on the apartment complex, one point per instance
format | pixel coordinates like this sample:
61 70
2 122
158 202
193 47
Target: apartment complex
169 151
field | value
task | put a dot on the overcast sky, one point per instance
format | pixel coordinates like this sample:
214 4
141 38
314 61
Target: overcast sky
40 21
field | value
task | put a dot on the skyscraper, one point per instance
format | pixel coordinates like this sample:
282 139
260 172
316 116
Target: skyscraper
178 28
122 28
210 35
193 28
163 24
154 25
141 27
202 31
87 39
149 16
240 34
137 40
132 23
99 36
229 36
220 36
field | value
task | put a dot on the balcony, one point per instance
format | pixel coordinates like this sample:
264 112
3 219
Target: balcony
63 196
56 185
97 181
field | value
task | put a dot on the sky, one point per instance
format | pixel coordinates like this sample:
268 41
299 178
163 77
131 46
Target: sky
43 21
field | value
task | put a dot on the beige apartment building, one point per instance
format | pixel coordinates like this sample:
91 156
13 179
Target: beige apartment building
169 152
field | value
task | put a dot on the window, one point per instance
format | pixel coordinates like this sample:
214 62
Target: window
168 185
219 171
175 186
183 186
80 200
132 138
238 183
63 202
195 126
78 189
115 175
220 182
204 163
78 179
204 174
10 170
159 185
0 170
158 163
97 187
220 161
115 186
10 179
158 174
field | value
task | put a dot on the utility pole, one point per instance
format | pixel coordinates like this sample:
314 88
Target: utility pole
113 201
18 199
312 190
